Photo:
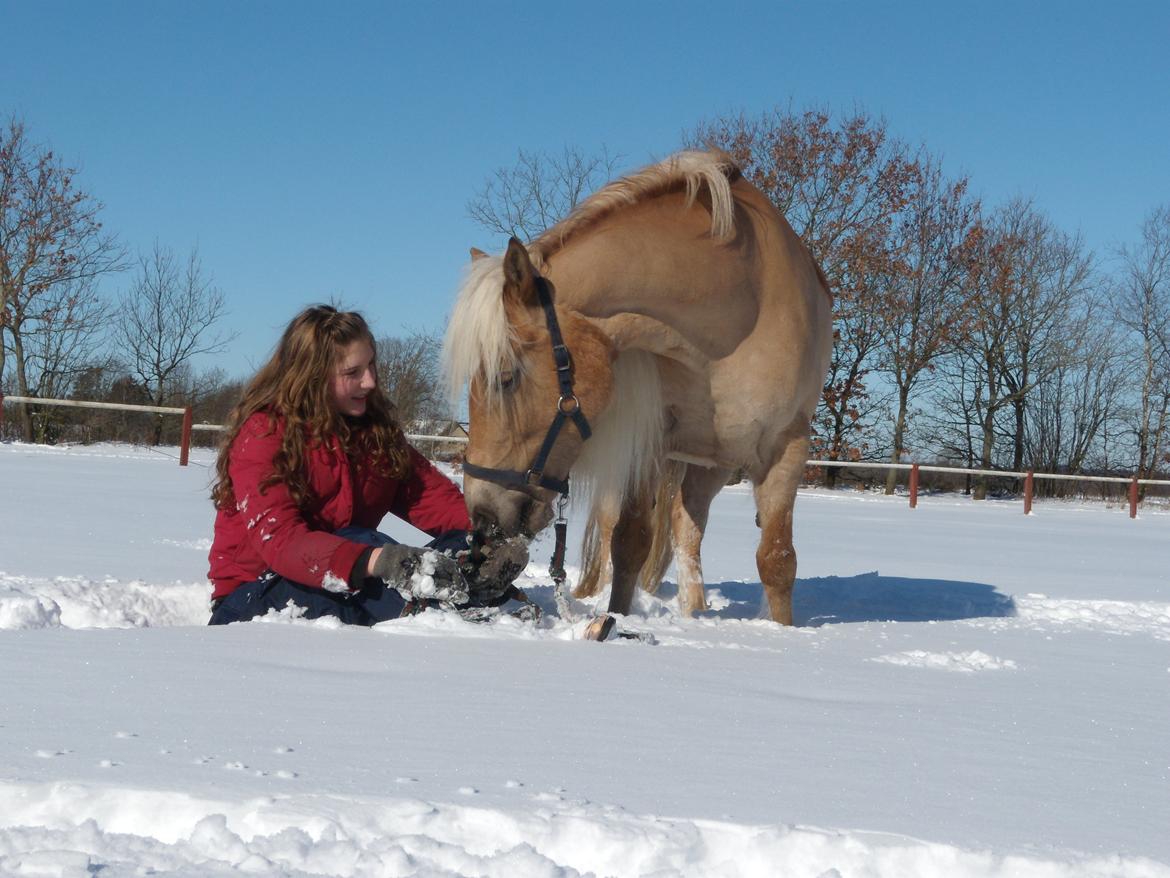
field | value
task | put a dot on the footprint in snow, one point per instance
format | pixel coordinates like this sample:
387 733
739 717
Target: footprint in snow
125 734
468 791
109 763
406 780
49 754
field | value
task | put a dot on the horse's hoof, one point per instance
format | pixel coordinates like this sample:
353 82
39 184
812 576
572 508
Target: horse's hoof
600 628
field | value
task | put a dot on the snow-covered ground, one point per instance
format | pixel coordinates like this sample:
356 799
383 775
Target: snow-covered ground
968 692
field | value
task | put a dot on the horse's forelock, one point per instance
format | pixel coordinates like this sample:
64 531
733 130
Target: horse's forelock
479 337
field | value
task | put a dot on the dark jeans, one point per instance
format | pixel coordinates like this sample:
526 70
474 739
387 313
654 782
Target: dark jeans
374 603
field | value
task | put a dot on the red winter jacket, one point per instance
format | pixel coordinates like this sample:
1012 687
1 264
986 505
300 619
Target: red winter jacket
266 530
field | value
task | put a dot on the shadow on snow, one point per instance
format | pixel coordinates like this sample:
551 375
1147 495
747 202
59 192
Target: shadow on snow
867 597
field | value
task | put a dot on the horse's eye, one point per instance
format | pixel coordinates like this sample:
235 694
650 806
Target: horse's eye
507 380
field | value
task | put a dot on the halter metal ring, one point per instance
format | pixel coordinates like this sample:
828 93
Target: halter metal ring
573 403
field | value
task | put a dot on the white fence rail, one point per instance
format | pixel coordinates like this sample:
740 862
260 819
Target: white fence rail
913 468
188 426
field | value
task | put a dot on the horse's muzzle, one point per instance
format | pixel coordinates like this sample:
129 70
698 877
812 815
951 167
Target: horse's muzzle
508 513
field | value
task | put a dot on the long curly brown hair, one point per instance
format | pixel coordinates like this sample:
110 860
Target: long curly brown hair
294 385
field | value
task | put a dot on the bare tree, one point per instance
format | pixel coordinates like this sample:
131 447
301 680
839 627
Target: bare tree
167 318
60 342
1071 411
52 249
921 314
1143 309
1052 313
538 191
1030 286
408 368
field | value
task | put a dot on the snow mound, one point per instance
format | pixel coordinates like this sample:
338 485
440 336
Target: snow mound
964 662
77 602
66 829
1113 617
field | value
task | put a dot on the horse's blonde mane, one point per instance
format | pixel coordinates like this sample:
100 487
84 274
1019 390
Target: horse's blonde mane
691 169
625 449
479 336
479 339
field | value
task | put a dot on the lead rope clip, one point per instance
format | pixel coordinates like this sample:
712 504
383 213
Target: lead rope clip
556 567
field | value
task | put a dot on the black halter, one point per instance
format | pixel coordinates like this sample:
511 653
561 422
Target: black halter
568 408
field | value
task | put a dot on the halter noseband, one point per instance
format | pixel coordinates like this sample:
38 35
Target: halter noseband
568 408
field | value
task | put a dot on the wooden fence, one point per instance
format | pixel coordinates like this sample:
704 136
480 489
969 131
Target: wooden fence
1029 476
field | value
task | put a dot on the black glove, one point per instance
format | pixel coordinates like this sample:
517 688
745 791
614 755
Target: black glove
421 574
489 569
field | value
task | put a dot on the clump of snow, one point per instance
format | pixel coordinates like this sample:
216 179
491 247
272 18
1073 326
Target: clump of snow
964 662
330 581
422 578
202 545
423 583
19 609
293 614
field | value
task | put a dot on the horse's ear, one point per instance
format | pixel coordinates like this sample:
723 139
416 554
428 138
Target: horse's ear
519 275
477 254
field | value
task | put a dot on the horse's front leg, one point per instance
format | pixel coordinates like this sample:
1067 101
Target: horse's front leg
775 497
629 547
595 549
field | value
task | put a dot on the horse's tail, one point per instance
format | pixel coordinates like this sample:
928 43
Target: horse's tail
661 546
603 516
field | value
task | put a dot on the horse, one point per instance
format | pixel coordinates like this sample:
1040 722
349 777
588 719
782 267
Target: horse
672 329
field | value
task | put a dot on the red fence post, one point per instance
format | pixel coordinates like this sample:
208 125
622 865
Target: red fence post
1028 493
1133 496
913 485
185 447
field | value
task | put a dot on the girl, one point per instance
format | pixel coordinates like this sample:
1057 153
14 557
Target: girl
311 463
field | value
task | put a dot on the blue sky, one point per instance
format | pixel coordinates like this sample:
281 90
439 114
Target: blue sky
319 150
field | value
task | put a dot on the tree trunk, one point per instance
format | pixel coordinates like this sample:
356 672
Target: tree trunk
836 444
156 436
985 456
1019 409
899 437
24 414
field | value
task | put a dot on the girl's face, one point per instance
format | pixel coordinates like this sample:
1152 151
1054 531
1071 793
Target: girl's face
354 376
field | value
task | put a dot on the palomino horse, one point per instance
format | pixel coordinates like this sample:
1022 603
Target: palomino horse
676 318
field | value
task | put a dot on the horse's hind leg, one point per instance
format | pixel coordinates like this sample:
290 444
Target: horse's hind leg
691 506
775 496
630 547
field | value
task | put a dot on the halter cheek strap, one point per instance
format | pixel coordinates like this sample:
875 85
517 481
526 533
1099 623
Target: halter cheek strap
568 409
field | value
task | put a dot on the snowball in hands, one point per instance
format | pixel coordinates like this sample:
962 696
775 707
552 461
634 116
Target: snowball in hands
421 574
